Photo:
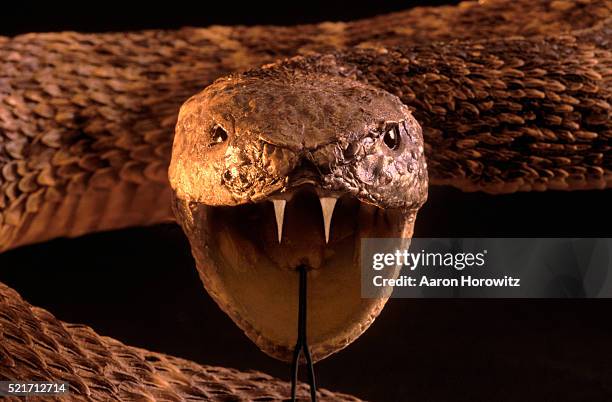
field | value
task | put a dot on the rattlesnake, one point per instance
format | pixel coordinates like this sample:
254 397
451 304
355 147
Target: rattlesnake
87 122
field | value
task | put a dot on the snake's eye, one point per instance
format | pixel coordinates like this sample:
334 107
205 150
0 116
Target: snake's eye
392 138
219 134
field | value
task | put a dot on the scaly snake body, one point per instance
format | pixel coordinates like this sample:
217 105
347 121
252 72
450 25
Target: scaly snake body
86 120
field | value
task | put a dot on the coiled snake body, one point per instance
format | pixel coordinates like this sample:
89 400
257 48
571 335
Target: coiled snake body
86 138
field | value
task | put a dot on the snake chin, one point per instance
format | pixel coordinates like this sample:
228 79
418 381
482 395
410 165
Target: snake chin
252 275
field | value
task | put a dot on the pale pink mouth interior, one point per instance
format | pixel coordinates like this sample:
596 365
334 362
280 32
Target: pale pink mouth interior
253 277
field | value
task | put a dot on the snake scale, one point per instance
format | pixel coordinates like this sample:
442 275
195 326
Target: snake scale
86 139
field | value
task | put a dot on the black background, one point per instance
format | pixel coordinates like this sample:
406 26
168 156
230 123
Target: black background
140 286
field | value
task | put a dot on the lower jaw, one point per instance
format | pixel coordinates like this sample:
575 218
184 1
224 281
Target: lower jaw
254 278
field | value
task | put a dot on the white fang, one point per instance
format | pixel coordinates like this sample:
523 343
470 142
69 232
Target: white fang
279 212
327 206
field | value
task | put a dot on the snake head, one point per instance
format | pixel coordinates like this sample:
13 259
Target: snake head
340 160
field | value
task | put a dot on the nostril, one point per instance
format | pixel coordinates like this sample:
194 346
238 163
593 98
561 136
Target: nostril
351 150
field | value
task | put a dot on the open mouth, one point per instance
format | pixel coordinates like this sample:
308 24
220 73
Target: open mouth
302 227
248 256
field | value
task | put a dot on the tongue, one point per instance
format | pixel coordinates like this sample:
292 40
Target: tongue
254 280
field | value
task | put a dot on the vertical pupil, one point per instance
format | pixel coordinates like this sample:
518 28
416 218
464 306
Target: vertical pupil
392 138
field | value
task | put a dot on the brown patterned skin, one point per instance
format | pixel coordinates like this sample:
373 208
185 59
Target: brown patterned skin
86 120
37 346
499 116
506 115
